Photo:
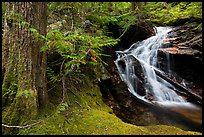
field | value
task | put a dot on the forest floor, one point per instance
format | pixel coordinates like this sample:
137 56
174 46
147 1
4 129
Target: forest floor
85 113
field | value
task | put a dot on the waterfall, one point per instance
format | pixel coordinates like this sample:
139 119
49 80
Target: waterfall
145 52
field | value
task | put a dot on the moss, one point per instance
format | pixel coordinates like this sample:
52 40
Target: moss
174 15
86 96
53 125
96 122
169 130
22 110
9 90
26 93
86 114
8 93
10 117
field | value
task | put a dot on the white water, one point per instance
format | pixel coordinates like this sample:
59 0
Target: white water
146 53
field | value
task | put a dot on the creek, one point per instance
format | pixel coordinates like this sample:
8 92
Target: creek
138 67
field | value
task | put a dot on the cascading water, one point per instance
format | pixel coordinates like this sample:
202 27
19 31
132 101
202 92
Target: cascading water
139 69
146 53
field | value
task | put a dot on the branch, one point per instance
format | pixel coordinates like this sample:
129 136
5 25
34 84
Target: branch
21 126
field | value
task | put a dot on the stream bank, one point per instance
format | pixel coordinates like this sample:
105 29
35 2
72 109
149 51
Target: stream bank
126 107
84 113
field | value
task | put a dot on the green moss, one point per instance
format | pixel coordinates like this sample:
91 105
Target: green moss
96 122
22 110
26 93
53 125
169 130
9 89
86 96
172 15
84 113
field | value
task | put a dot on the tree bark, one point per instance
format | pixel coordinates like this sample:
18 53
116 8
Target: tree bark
24 66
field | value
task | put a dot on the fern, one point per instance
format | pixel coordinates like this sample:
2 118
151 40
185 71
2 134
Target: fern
61 107
75 48
51 75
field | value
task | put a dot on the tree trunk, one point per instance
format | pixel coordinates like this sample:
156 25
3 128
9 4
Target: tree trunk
24 66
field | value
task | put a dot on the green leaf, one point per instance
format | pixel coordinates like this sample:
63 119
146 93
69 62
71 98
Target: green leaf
33 30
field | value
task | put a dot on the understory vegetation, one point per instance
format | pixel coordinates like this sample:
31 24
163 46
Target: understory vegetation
84 113
77 33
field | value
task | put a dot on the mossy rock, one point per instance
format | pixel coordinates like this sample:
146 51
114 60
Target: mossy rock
97 122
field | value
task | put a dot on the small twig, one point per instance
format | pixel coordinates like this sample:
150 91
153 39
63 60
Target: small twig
52 87
64 87
21 126
123 33
62 64
79 104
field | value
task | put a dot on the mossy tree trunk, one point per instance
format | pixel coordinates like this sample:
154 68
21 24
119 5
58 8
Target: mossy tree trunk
23 65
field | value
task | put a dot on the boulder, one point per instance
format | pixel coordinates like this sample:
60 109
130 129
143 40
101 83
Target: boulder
137 32
185 54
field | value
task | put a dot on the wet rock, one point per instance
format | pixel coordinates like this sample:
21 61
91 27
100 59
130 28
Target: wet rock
137 32
185 53
182 50
115 91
